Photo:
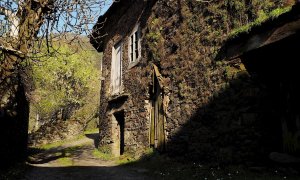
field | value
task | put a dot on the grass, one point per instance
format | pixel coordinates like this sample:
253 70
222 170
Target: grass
71 150
91 131
60 143
126 159
123 160
103 156
104 153
51 145
66 161
262 18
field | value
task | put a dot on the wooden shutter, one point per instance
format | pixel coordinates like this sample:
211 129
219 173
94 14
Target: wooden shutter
116 69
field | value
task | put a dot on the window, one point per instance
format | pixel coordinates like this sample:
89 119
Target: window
116 69
134 49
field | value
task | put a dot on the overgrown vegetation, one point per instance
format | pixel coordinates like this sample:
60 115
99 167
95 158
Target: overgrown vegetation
67 89
205 25
262 17
183 39
68 82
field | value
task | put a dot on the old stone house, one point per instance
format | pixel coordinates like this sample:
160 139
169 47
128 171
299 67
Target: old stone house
163 88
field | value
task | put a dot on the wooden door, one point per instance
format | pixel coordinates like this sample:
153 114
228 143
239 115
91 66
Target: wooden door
157 132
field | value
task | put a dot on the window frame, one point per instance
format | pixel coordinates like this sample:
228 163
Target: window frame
134 53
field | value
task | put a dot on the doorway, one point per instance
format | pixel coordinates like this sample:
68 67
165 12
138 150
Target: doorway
118 128
157 130
275 68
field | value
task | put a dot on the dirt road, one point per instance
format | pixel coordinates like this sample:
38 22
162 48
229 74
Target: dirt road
75 161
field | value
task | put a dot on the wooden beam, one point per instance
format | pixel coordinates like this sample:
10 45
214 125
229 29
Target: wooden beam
262 39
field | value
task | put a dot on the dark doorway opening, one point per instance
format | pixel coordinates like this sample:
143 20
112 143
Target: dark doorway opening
275 67
119 133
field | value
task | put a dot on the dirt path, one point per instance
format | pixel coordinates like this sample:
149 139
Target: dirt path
75 161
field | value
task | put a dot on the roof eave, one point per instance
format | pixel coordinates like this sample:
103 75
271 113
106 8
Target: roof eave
268 32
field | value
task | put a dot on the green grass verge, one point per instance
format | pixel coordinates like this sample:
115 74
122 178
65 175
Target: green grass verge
91 131
66 161
60 143
103 156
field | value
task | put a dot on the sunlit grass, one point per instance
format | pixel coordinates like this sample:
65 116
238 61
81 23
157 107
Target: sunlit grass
103 156
129 158
126 159
60 143
65 161
92 131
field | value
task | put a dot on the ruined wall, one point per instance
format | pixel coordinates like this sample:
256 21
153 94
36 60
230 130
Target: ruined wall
213 114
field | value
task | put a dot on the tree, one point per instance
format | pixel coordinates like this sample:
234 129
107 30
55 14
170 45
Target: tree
25 27
26 23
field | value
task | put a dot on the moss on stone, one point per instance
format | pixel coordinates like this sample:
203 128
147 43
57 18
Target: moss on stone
261 19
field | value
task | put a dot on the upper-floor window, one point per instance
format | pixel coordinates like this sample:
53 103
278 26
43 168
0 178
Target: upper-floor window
134 49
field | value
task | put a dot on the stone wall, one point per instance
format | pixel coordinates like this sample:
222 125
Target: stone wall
213 113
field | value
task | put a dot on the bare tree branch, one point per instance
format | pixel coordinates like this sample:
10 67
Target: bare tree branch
12 51
12 19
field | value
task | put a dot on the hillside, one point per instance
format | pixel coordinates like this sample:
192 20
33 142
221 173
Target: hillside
65 99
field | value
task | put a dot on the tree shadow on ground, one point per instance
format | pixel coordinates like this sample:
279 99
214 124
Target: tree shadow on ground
155 167
85 172
46 156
